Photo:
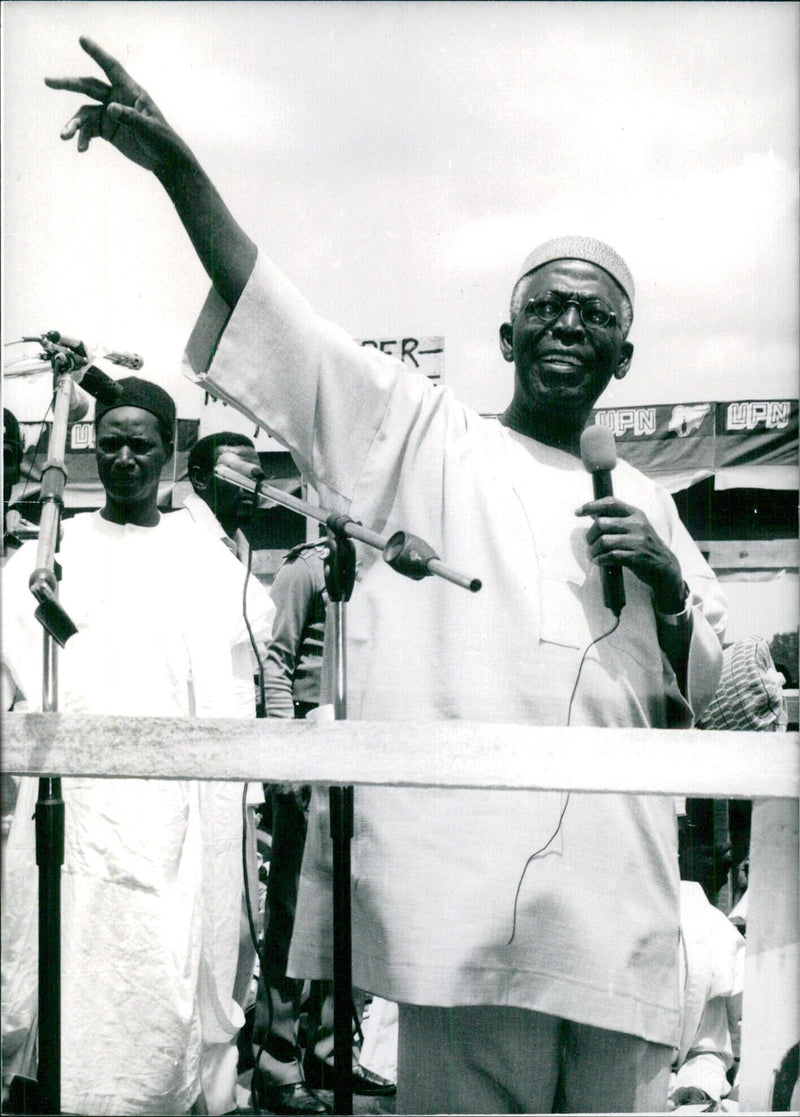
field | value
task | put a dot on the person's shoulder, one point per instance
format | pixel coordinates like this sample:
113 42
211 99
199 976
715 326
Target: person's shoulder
178 522
179 530
303 564
314 550
81 526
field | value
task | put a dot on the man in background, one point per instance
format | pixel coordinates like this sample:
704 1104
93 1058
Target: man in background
224 508
152 878
12 462
225 512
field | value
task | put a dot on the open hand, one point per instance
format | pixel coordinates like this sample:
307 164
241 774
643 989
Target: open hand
623 534
125 115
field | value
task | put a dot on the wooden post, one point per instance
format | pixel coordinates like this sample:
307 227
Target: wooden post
771 1012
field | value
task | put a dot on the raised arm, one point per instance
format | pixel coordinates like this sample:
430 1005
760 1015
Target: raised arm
124 114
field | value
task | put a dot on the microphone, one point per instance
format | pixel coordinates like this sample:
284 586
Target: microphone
98 384
249 470
127 360
599 456
78 405
117 357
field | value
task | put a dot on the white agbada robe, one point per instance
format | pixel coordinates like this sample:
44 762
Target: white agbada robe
434 872
152 880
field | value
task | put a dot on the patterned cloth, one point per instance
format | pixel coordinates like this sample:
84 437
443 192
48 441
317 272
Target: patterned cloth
581 248
749 695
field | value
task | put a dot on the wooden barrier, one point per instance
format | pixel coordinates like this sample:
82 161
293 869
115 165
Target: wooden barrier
726 765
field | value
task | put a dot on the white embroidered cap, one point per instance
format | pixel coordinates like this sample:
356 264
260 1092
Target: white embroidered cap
581 248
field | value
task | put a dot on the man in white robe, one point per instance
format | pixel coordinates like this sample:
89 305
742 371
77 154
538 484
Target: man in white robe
152 877
565 994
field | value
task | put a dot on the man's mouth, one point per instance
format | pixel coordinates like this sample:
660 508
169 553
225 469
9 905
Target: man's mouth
561 359
561 368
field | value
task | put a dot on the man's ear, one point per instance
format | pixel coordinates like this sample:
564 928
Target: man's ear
199 479
507 341
625 358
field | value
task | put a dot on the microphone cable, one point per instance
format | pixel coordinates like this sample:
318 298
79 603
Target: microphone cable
554 835
260 712
597 639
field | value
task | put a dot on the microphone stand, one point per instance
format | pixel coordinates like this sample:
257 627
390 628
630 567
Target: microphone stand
340 575
405 553
409 555
49 814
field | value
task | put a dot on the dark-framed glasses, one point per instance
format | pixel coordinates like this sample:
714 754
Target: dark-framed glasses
594 313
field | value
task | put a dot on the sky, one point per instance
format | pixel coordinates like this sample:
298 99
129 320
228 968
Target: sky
399 160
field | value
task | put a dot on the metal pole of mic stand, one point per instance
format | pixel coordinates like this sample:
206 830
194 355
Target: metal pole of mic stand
49 814
340 569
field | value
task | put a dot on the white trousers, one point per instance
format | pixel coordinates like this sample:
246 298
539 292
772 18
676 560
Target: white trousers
495 1059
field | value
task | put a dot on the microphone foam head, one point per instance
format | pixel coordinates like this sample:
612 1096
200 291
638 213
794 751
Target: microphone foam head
231 460
78 405
598 448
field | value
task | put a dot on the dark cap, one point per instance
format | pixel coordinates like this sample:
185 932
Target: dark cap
10 427
147 396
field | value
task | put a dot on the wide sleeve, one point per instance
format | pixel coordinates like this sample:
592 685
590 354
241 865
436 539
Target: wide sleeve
303 379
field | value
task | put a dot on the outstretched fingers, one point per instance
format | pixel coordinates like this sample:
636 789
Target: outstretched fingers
114 70
87 87
125 115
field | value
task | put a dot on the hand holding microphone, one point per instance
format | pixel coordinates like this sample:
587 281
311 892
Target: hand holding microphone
622 536
599 456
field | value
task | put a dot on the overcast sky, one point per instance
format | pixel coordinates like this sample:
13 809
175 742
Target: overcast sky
399 160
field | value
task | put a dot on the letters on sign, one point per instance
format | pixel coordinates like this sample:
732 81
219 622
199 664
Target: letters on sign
422 354
639 421
773 414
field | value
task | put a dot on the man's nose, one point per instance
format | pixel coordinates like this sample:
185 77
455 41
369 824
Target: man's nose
124 458
569 322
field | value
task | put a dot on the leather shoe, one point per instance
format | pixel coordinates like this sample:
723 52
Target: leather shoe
319 1076
295 1098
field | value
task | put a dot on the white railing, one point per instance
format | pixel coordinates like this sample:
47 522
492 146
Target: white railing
727 765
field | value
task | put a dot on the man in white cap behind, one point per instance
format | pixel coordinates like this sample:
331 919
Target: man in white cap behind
530 939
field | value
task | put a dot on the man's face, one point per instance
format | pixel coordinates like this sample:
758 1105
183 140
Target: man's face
563 366
130 456
228 502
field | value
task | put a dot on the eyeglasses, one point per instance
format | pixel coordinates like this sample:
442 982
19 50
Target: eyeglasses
593 312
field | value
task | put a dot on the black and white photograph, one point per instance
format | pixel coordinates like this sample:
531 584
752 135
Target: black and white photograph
401 578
